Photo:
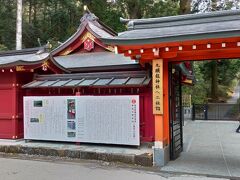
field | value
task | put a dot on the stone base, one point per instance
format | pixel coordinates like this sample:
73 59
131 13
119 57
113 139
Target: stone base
140 156
161 156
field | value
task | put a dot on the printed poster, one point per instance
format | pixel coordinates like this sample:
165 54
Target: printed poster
92 119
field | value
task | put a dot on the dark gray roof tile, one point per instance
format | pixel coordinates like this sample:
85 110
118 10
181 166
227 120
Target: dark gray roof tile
22 57
95 59
179 28
103 79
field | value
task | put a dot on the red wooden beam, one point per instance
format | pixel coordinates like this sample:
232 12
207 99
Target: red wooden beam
207 55
124 48
215 52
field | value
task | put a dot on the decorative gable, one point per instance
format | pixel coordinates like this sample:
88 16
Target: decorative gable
87 37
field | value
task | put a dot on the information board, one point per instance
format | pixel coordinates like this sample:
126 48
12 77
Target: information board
93 119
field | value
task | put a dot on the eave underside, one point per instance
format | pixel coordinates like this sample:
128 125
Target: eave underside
207 49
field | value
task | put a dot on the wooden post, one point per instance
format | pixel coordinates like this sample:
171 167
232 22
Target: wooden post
157 90
166 103
157 86
160 111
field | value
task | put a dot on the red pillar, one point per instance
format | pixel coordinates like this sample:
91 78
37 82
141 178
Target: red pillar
162 140
166 123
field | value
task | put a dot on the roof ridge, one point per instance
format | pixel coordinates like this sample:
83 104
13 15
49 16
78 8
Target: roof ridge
88 16
20 52
181 19
125 73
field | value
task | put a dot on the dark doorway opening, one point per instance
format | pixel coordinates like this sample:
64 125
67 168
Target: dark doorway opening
175 114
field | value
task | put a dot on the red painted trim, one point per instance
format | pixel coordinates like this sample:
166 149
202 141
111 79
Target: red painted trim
166 102
54 68
123 48
187 53
78 42
207 55
191 55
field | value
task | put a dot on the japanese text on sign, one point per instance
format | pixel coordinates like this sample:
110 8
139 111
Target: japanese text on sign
157 79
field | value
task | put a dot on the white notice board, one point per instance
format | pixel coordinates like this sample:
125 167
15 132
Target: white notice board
93 119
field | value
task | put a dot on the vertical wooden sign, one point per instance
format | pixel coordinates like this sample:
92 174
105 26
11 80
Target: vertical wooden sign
157 86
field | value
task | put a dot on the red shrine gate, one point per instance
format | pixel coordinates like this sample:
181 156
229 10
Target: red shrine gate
162 46
170 40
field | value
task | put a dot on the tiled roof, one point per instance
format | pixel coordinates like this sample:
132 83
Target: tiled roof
100 79
179 28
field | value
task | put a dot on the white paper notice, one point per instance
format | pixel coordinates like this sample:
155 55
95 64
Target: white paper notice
93 119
